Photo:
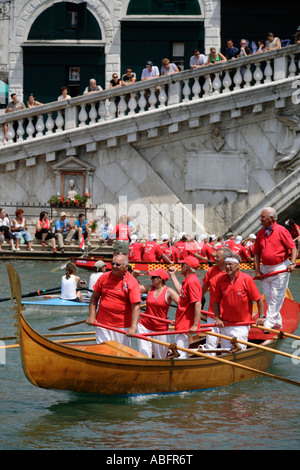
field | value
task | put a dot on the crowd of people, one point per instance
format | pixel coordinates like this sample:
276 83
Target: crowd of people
115 302
58 233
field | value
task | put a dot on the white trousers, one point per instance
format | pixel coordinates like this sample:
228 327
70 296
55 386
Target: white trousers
183 341
212 341
239 332
102 335
274 288
146 347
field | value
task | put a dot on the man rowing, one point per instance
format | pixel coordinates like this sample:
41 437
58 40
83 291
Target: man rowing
119 306
209 283
234 293
272 246
188 313
159 299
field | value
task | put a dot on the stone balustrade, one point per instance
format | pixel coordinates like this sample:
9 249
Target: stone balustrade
143 97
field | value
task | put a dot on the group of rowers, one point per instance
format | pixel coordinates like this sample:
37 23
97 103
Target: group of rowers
115 303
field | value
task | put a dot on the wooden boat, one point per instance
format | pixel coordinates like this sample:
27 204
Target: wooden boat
89 263
113 369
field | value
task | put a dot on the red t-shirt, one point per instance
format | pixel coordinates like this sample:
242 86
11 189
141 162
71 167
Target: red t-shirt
209 281
294 232
273 249
207 251
229 243
122 232
152 252
181 246
236 298
117 297
158 307
172 253
191 292
135 251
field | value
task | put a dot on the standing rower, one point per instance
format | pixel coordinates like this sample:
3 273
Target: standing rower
272 246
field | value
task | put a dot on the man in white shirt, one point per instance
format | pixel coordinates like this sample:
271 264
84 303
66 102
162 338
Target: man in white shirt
150 71
197 60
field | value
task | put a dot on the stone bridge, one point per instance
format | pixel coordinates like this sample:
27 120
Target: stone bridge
200 150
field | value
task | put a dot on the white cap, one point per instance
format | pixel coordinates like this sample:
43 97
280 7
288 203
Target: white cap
252 236
152 237
165 236
213 236
202 237
181 234
133 239
238 239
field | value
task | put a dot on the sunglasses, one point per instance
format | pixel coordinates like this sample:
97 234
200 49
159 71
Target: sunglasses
116 264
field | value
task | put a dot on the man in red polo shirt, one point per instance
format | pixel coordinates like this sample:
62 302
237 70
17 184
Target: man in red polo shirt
152 251
188 313
135 249
235 291
119 306
272 247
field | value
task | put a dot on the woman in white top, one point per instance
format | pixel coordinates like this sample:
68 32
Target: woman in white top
70 283
19 230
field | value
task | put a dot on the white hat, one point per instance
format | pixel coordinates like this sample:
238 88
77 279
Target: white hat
238 239
165 236
213 236
202 237
152 237
133 238
181 234
252 236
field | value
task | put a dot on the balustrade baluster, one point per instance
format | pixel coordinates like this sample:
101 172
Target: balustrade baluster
82 116
207 86
122 106
162 97
59 122
258 75
40 126
112 109
29 129
268 72
10 134
152 98
292 67
142 102
216 84
20 130
237 79
49 124
248 76
227 82
196 89
186 91
102 111
132 105
2 136
93 114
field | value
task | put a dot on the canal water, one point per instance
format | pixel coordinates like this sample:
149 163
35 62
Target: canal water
260 414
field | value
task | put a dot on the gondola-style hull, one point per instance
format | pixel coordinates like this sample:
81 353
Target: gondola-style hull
113 369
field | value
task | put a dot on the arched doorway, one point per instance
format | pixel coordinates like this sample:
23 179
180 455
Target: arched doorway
161 28
64 48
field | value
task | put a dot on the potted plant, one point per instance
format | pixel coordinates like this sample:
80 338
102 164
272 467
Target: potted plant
54 201
92 225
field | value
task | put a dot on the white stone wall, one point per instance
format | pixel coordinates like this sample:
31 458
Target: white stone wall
108 14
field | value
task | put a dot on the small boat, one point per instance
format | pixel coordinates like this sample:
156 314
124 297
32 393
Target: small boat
113 369
55 304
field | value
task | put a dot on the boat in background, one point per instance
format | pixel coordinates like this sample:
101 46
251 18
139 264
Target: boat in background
55 305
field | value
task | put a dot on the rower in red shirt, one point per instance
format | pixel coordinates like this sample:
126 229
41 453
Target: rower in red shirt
295 232
171 253
181 245
188 313
152 251
135 249
230 241
119 306
121 230
159 299
272 247
234 294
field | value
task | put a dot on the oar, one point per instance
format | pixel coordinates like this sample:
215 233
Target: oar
214 358
273 273
254 345
289 335
70 340
34 294
79 333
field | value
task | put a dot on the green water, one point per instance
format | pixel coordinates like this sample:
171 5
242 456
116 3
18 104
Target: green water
260 414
